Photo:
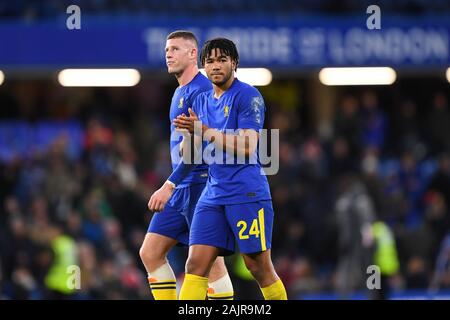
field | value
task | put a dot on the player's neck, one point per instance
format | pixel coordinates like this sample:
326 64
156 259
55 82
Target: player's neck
220 90
187 75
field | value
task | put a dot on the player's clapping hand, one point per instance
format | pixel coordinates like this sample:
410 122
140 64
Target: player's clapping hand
159 199
182 122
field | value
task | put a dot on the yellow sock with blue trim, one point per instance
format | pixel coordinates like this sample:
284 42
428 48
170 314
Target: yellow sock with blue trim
221 289
275 291
163 283
194 287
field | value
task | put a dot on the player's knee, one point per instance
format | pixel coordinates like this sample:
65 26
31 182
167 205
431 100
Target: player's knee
144 254
219 265
196 265
218 269
151 258
255 268
252 266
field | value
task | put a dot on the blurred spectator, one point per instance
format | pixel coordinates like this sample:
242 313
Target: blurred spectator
440 181
89 267
312 160
386 258
58 279
416 273
438 124
441 277
126 162
355 215
414 248
406 128
326 196
437 220
347 123
373 121
413 186
342 160
302 277
18 254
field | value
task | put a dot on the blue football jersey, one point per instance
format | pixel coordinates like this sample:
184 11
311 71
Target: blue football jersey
182 99
233 182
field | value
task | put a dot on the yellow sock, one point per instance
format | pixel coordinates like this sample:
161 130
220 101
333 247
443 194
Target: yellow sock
194 287
220 296
164 289
275 291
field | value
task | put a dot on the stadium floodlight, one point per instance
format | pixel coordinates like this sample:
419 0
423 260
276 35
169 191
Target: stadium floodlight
2 77
99 77
448 74
357 76
254 76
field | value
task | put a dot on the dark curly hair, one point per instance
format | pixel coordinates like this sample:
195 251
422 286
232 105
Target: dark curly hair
226 46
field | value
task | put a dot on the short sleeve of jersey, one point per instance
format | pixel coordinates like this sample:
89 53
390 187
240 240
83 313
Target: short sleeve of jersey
197 102
199 87
251 109
192 97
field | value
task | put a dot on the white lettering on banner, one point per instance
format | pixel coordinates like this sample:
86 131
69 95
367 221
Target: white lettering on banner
336 46
355 43
155 38
438 44
284 44
416 46
259 45
394 45
377 47
315 46
311 45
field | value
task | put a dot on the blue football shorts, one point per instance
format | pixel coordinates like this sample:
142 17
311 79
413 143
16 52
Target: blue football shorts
249 225
176 218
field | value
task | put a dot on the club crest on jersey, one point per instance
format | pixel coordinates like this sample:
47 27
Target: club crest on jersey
226 111
180 104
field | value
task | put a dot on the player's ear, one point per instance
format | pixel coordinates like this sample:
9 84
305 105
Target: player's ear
194 53
233 65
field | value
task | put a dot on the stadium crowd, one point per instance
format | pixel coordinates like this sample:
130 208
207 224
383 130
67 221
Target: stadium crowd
375 189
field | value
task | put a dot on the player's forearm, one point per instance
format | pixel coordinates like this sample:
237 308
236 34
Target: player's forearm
180 172
241 145
187 162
